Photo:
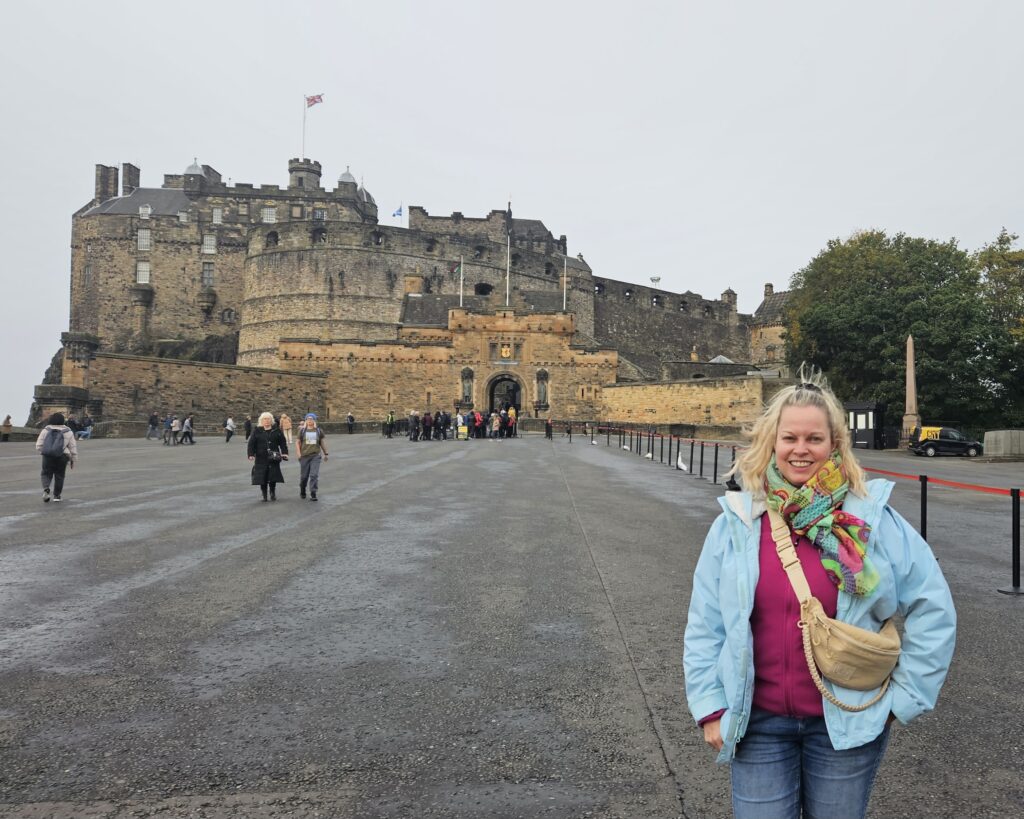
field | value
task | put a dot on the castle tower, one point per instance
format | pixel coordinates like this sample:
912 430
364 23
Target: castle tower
304 174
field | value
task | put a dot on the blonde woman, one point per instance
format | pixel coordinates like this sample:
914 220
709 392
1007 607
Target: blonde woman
267 448
286 427
746 675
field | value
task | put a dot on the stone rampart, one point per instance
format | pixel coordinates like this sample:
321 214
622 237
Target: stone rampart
723 402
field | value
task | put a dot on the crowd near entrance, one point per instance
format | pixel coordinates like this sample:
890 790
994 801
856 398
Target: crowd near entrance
505 392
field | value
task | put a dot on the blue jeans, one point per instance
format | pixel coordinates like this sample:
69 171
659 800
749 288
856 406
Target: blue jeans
783 764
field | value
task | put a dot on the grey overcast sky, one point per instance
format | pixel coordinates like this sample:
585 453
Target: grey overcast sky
714 144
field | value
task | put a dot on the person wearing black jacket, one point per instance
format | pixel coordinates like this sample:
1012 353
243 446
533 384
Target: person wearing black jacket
267 448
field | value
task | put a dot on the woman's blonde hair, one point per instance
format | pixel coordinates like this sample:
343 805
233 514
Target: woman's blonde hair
812 390
263 415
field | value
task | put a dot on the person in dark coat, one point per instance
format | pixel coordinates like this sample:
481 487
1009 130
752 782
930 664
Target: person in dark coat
248 427
428 423
265 442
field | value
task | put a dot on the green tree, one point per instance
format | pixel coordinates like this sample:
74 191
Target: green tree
854 304
1001 267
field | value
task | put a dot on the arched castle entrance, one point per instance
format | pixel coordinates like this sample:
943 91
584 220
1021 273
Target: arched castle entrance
503 389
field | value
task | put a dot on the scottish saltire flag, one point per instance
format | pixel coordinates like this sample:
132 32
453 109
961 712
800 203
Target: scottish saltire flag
398 212
314 100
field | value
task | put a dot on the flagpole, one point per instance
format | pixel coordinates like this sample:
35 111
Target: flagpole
462 279
305 105
508 263
565 281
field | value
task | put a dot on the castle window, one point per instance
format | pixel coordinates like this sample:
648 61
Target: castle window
684 306
300 182
319 214
207 280
599 289
144 211
377 238
478 252
431 245
707 310
319 236
144 239
268 215
87 275
243 208
271 240
297 210
515 260
628 294
655 301
209 243
549 269
482 289
228 316
183 216
218 216
142 272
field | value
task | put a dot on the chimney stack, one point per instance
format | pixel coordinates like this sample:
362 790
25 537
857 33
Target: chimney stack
129 179
768 290
106 182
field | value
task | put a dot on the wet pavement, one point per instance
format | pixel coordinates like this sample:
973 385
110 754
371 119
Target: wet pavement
456 629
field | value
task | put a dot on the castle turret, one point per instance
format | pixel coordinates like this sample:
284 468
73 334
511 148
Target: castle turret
194 180
304 173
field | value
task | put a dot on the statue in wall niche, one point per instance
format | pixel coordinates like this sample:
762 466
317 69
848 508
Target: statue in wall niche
467 386
542 386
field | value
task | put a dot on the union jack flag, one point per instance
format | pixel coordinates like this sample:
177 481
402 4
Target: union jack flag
313 100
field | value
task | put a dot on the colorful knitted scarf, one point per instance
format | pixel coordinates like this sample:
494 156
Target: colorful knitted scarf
815 511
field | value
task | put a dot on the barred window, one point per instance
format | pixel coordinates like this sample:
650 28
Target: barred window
207 280
209 243
218 215
145 239
144 211
228 316
268 215
183 216
319 214
142 272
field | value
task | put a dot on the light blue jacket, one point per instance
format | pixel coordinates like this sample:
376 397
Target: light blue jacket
718 645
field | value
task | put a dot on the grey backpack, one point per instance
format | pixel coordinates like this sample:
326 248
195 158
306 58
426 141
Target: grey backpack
53 443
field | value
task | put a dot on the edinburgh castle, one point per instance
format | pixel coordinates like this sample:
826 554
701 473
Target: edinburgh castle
218 299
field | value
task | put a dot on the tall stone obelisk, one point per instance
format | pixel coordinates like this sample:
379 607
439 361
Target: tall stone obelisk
911 418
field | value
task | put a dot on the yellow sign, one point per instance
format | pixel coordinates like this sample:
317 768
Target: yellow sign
506 351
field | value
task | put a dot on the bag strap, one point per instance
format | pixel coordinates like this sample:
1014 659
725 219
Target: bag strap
786 551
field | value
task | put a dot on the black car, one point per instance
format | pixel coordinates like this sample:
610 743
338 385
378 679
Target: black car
932 441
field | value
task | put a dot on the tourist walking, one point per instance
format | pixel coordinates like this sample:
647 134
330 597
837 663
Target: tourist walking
168 421
5 429
247 426
389 424
311 445
175 431
797 742
286 427
267 448
229 429
153 427
56 443
187 436
350 422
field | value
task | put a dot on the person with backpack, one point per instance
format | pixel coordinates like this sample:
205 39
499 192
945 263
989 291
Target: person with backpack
56 443
311 444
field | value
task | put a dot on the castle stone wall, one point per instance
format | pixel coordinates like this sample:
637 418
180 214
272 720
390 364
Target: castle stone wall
130 387
721 401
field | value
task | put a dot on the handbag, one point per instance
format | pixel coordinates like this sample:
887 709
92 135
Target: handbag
847 655
274 454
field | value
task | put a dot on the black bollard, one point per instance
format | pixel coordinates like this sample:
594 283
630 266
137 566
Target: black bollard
702 459
1015 552
661 458
716 465
691 457
924 505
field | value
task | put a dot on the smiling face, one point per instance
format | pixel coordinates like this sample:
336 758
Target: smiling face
267 422
803 443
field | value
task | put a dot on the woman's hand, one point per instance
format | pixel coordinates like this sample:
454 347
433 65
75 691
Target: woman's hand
252 457
713 734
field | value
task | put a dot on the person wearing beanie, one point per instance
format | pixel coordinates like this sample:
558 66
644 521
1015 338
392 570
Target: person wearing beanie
56 443
311 445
